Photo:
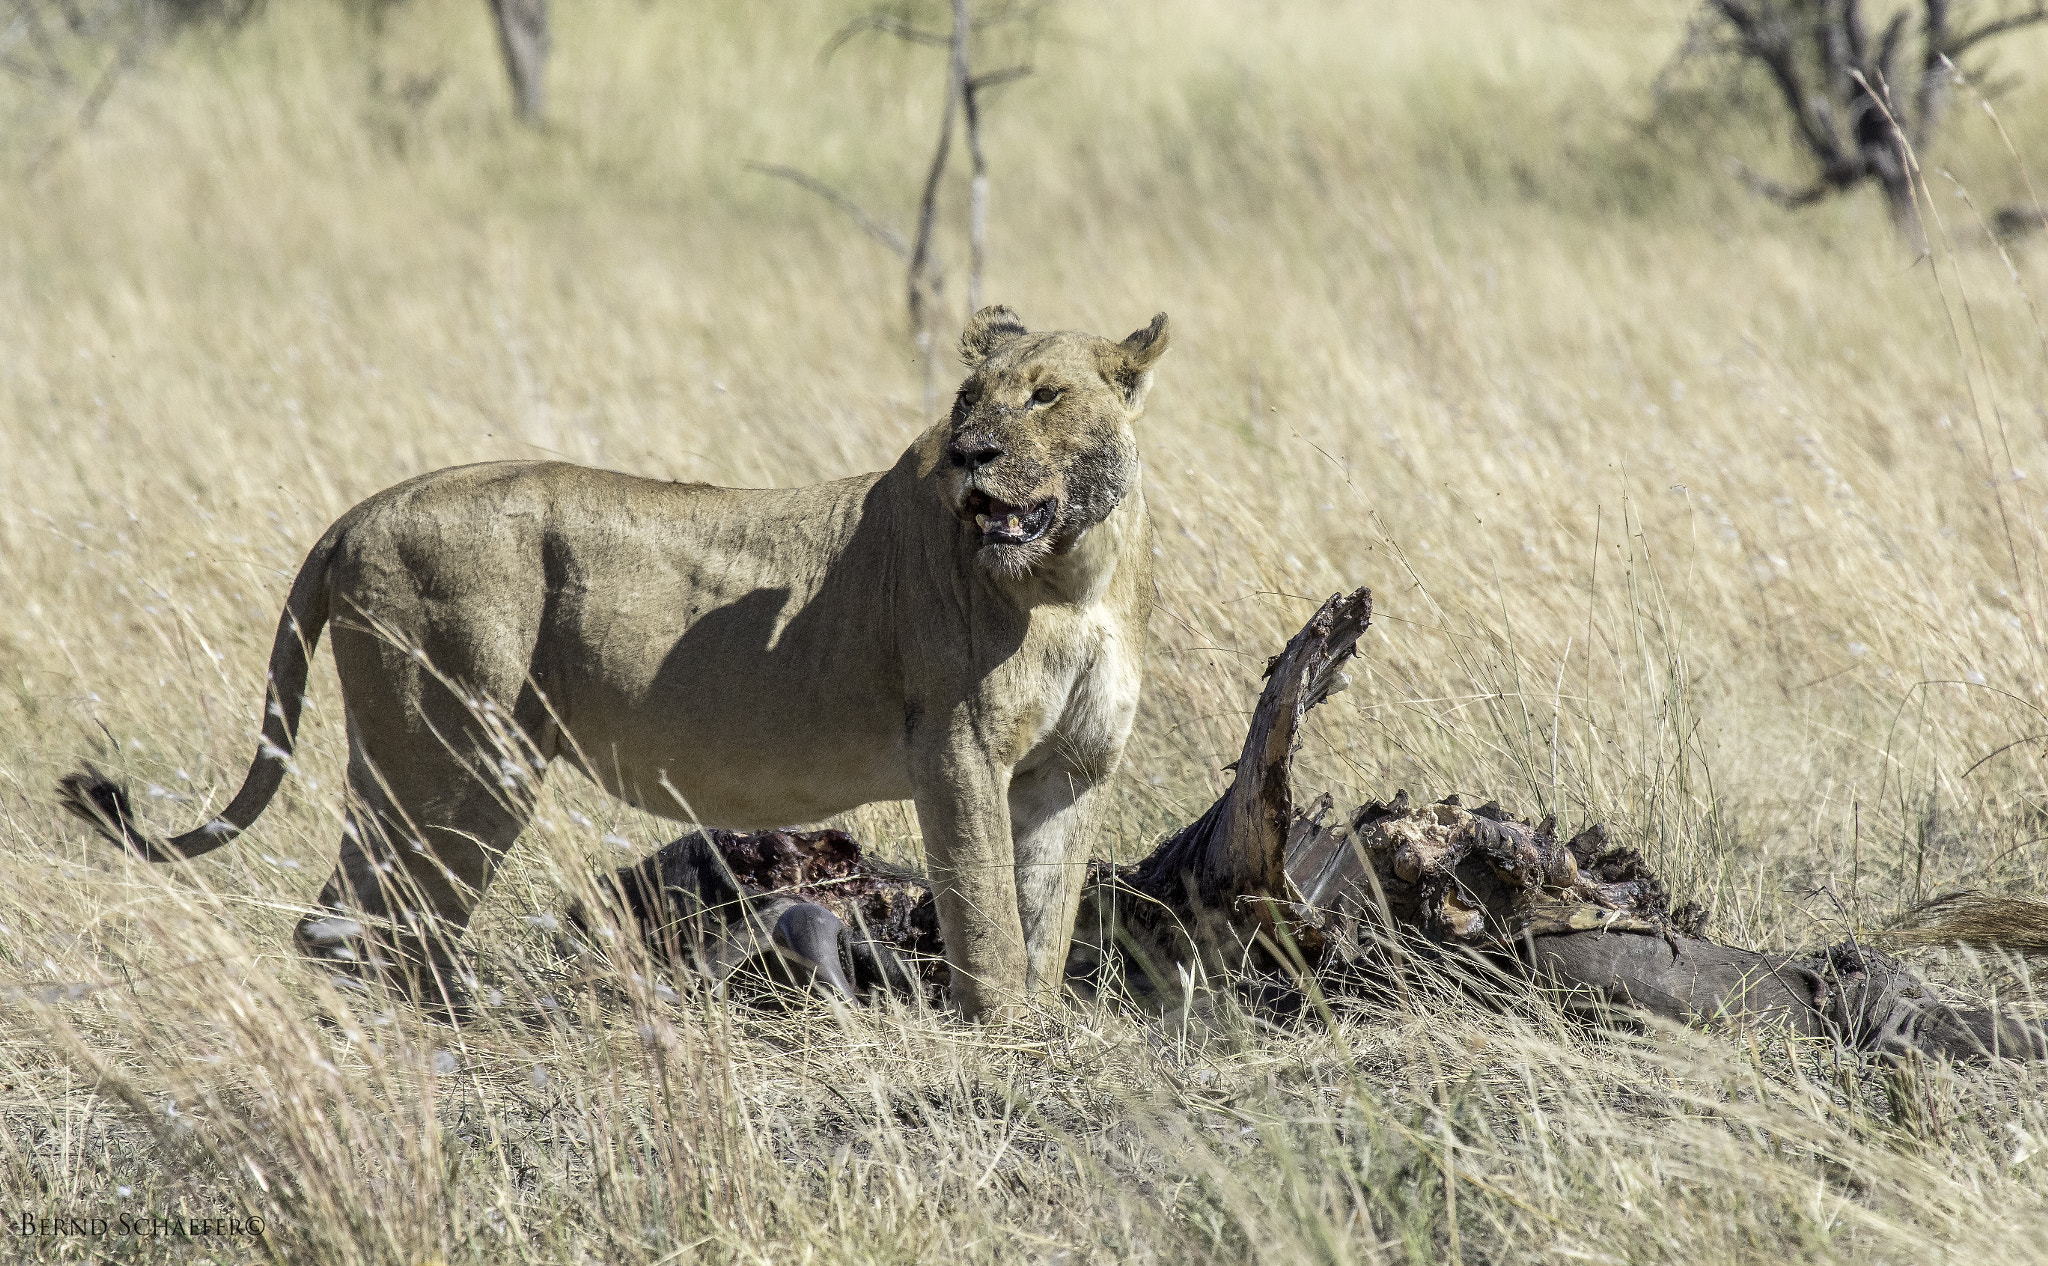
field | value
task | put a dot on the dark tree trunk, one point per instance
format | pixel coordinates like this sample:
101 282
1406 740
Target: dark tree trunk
524 40
1890 87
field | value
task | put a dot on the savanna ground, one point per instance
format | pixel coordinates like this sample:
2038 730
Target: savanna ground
1718 524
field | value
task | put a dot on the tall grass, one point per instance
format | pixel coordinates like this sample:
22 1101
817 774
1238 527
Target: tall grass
1683 514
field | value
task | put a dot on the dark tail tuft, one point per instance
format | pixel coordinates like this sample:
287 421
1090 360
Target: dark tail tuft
104 805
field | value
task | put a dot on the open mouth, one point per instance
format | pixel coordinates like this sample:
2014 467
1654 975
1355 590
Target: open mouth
1004 524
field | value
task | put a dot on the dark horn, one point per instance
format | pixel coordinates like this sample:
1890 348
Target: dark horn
813 937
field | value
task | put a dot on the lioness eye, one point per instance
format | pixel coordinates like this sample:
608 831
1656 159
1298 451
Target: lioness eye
1046 395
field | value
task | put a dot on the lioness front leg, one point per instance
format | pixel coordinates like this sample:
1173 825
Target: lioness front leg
1053 816
964 814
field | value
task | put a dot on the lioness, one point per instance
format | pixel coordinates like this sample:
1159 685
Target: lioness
965 629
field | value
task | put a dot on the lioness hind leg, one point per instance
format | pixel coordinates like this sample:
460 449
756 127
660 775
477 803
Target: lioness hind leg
445 735
418 851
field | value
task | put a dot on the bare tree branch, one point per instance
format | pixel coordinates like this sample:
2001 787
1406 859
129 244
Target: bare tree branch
1960 44
1859 36
39 38
131 52
885 23
1888 43
1783 195
1934 72
1840 41
146 28
1768 41
882 24
870 225
997 78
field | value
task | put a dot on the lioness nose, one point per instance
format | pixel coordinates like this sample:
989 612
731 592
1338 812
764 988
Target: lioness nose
972 452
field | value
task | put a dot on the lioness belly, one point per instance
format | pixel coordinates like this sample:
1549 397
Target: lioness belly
738 768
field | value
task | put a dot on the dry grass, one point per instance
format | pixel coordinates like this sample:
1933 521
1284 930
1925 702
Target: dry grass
1681 514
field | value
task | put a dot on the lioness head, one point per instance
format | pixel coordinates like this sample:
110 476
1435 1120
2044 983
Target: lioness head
1039 447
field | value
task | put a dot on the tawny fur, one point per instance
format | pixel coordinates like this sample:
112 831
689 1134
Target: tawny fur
1973 918
742 658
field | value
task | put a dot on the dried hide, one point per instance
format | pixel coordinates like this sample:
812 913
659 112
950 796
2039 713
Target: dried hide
1258 892
802 909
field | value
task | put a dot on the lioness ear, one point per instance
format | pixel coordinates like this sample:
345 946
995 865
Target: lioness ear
1137 354
988 330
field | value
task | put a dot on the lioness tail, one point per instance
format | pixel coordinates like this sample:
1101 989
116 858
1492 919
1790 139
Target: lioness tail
104 803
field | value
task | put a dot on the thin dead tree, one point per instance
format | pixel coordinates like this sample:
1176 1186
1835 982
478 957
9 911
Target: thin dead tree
924 271
75 53
925 279
524 40
971 88
1862 97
